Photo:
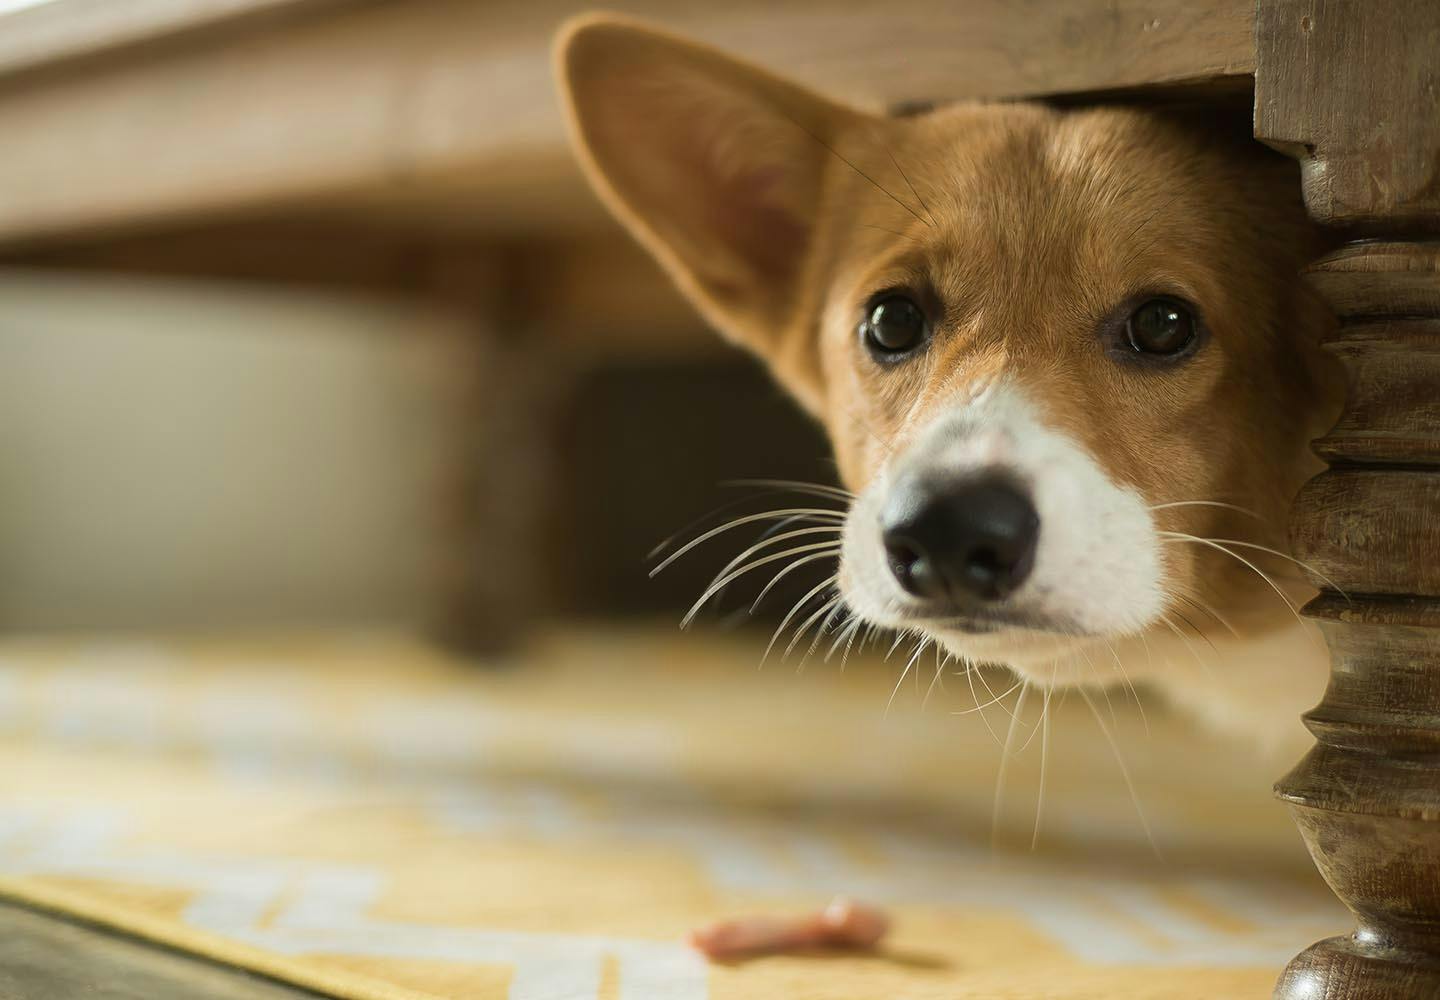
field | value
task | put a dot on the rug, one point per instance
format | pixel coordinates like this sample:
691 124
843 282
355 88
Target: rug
364 816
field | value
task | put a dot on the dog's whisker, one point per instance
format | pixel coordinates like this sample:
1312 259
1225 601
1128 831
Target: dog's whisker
1282 555
1135 252
786 571
797 486
1208 503
1193 628
1105 691
848 627
1212 543
740 502
970 679
936 679
1005 754
1129 685
993 701
906 178
872 181
719 584
798 513
843 636
1035 730
1124 772
766 543
805 626
1199 660
773 540
1134 692
838 607
1089 663
1201 606
919 648
899 638
1295 613
845 655
1044 758
794 610
991 692
1149 654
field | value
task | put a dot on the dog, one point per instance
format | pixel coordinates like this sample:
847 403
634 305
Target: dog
1065 357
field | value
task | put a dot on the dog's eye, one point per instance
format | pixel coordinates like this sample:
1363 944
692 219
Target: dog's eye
1160 326
894 326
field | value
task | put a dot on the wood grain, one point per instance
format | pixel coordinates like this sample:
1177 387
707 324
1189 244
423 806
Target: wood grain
1380 279
1382 652
1350 89
1394 367
1369 527
44 957
1348 86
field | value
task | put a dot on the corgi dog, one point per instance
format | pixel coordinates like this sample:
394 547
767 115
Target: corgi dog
1065 358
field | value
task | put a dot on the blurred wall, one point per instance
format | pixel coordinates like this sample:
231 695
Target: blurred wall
200 455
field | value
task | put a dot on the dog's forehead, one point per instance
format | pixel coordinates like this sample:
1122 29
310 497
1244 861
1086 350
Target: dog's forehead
1011 172
1014 146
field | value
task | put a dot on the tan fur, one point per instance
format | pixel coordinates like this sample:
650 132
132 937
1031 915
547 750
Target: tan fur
1026 226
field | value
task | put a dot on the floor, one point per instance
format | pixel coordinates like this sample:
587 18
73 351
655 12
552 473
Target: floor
45 957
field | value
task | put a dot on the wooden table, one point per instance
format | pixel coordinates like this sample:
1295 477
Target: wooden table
416 147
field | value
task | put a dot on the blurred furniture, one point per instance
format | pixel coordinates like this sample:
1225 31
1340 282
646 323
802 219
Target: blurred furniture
416 147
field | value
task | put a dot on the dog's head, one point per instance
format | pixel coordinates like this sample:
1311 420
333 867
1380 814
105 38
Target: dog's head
1046 345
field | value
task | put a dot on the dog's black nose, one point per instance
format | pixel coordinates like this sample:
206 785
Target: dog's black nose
960 542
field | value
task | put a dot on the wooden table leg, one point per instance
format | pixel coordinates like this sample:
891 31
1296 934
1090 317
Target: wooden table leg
1352 88
496 578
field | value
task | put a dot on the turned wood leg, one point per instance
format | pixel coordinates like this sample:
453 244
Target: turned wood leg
1350 88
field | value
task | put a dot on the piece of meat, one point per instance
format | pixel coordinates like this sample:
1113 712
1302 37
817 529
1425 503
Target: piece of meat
842 924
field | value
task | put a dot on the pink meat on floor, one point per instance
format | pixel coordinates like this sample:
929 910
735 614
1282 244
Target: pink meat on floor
842 924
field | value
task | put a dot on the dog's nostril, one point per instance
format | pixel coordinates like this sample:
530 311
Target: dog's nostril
984 564
990 573
962 542
913 569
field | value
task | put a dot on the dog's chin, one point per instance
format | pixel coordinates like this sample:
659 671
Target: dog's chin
1021 647
1037 654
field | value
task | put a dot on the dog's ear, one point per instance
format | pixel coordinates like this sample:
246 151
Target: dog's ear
715 166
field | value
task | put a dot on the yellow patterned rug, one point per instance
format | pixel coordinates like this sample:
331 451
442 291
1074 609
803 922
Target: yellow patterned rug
362 816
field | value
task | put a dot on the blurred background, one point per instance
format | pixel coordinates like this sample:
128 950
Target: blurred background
249 380
183 453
